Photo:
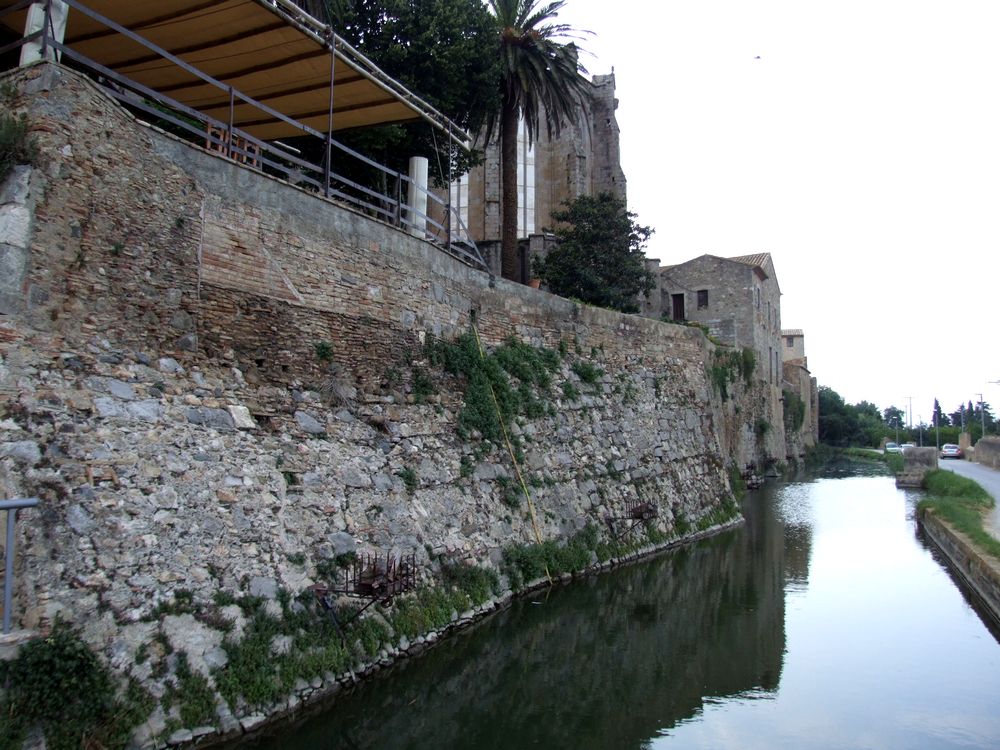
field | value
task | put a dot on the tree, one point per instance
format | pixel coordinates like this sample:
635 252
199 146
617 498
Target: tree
894 417
599 259
442 50
938 417
540 77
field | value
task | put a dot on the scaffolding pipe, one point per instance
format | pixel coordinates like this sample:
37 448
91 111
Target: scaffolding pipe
11 506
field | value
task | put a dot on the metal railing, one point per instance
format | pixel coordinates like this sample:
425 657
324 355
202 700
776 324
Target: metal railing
12 507
273 158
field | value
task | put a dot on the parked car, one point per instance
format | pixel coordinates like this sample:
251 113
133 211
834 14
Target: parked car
904 446
893 448
950 450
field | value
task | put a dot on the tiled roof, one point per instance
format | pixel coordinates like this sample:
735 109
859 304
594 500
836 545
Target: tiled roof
792 332
753 260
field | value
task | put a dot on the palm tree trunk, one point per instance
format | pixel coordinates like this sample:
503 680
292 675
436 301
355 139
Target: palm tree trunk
510 266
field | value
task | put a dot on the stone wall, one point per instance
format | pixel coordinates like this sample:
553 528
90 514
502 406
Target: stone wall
987 452
742 310
163 392
797 380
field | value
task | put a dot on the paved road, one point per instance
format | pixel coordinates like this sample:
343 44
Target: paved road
988 479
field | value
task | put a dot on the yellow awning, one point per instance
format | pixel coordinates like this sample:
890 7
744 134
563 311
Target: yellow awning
269 51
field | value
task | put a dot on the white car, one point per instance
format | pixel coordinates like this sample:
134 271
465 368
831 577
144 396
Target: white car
893 448
950 450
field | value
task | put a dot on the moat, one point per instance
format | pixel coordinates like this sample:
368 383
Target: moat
824 622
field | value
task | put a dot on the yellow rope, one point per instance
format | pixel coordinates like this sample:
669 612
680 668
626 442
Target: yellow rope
513 458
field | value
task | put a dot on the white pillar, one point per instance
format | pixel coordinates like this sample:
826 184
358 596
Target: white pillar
417 196
32 51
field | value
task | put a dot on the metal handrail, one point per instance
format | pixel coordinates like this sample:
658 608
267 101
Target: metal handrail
382 207
11 506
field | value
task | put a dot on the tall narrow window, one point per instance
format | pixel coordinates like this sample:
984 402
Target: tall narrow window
525 183
460 198
702 299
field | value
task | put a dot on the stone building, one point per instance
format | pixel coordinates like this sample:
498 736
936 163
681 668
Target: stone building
584 158
737 299
798 380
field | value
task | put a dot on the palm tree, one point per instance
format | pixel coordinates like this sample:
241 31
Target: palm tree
540 77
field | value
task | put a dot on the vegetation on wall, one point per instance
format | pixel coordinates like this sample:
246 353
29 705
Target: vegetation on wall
793 410
729 366
517 374
599 259
59 684
17 145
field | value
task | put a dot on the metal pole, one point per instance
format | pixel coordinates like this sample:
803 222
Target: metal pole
448 206
11 506
8 588
229 136
329 122
982 413
399 199
46 24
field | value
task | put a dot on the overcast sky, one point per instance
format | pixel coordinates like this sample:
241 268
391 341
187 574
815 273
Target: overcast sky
858 142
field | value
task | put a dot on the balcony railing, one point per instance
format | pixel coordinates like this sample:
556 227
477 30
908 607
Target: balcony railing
384 197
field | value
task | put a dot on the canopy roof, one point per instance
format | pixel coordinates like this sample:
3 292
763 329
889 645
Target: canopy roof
269 50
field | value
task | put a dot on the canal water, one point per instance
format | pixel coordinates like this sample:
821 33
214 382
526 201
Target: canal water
824 622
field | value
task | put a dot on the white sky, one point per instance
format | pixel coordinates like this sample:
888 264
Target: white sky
862 150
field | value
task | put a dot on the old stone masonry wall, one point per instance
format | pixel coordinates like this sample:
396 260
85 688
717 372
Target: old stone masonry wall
218 385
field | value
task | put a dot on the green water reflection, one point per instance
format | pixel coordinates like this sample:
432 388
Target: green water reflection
822 623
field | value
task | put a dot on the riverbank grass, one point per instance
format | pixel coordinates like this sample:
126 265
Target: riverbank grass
961 502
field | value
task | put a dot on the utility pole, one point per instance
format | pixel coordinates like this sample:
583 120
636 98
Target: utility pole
982 413
909 413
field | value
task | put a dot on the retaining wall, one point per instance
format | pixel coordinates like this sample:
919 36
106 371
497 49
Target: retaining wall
161 392
981 572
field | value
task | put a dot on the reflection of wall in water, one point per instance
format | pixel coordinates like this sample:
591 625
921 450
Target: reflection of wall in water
606 663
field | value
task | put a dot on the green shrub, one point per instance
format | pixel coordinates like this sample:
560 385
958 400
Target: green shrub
422 386
410 479
17 145
196 696
510 381
58 683
587 372
479 584
324 351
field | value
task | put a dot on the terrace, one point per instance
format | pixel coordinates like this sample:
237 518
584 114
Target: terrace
246 79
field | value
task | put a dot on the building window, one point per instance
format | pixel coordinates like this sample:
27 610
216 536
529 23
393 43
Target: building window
460 199
790 342
702 299
525 183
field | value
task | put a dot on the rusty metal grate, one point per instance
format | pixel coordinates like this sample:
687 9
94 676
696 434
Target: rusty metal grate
377 578
636 513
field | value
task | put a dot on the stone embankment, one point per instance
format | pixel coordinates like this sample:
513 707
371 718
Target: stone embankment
167 483
980 571
221 388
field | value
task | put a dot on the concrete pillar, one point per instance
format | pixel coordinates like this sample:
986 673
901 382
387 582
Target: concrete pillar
417 196
32 52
